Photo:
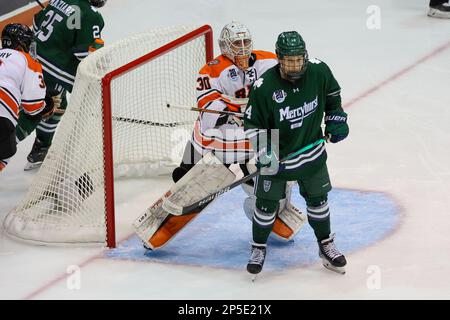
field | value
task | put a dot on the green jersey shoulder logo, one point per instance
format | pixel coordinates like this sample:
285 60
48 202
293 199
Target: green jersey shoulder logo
279 96
258 83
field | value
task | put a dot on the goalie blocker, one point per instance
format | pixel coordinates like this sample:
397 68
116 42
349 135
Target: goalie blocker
157 226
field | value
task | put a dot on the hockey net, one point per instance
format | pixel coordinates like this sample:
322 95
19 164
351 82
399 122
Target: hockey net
116 123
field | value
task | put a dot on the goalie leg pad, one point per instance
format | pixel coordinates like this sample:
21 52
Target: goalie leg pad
169 228
207 176
289 222
157 226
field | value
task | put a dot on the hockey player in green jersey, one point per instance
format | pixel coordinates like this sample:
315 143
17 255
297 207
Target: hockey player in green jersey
293 98
66 31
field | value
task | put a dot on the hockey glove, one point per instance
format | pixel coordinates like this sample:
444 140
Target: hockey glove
49 108
267 162
98 44
336 125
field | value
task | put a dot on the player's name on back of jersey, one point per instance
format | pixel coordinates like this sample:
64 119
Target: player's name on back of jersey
65 8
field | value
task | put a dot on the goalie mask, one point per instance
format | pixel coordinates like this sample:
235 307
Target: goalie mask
292 55
236 44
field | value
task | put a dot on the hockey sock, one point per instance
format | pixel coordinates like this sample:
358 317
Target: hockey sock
319 219
263 219
46 128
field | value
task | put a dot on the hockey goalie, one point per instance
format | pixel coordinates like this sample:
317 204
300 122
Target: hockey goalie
217 142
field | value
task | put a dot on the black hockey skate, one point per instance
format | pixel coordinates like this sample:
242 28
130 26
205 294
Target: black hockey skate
332 259
440 11
37 155
256 262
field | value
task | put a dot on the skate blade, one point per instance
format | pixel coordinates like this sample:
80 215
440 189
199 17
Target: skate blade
253 277
31 166
329 266
147 247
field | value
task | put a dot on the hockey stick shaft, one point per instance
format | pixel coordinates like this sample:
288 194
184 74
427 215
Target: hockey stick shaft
204 201
151 123
40 4
60 112
237 114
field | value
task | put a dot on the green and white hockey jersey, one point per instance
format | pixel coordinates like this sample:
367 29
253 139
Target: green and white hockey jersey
295 109
65 32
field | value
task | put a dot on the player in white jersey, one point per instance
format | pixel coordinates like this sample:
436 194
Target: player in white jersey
222 84
229 75
22 87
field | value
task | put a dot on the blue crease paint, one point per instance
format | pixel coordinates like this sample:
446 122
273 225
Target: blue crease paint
220 236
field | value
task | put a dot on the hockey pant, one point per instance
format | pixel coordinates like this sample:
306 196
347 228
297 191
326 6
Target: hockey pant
8 146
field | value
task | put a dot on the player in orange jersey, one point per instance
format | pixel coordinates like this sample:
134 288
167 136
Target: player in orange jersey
22 86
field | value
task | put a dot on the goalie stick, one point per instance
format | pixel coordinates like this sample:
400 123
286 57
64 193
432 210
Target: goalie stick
60 112
201 203
237 114
238 102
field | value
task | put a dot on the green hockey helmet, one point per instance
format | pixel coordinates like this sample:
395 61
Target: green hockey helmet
292 54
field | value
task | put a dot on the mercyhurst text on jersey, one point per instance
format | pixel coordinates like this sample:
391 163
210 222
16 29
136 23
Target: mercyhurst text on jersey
296 110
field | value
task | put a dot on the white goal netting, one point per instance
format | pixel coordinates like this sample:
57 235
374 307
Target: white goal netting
66 201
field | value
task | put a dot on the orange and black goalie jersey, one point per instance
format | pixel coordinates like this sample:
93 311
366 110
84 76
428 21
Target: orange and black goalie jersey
222 133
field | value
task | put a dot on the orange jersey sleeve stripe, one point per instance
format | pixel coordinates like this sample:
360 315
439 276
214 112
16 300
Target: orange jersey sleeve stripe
32 107
219 145
232 106
10 103
208 98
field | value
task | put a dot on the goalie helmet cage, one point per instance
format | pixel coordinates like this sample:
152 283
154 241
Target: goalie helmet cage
117 123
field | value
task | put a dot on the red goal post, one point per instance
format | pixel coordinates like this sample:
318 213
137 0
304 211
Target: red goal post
205 31
116 117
